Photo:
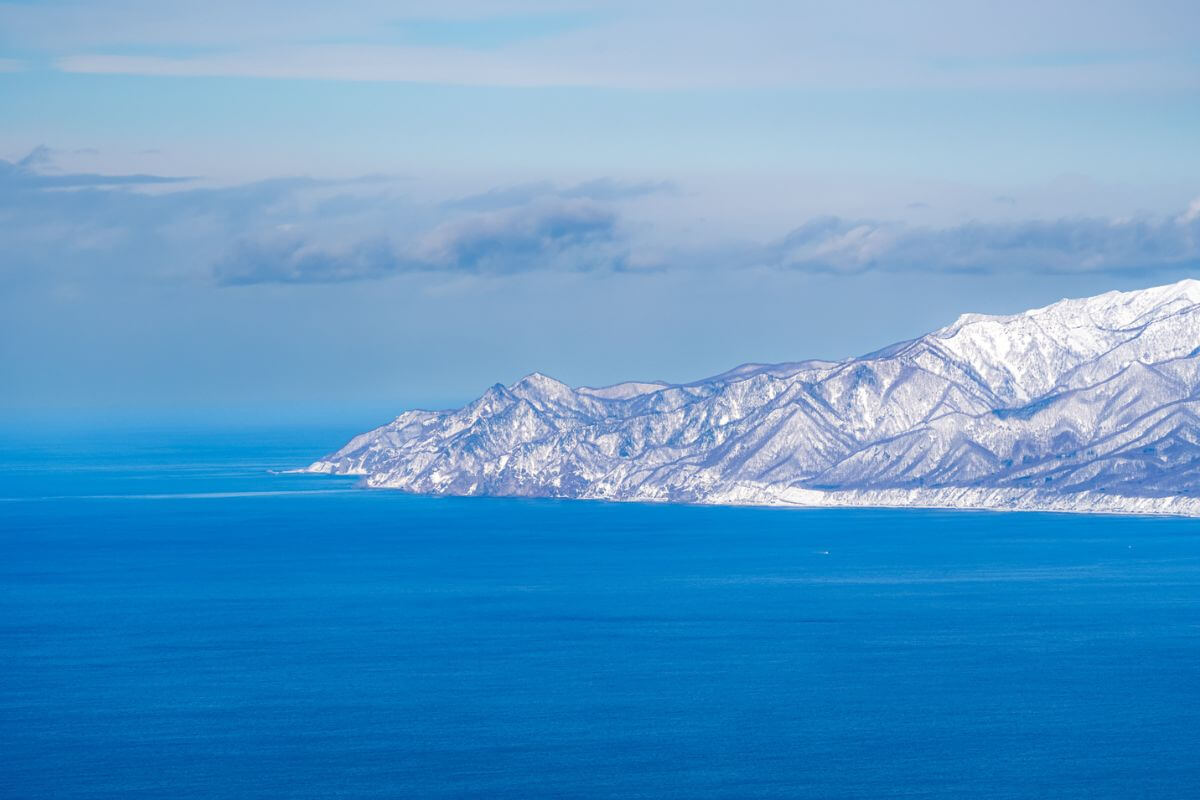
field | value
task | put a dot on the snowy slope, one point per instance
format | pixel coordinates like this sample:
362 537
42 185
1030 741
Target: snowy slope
1088 405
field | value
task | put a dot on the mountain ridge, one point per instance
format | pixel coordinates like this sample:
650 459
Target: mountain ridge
1083 404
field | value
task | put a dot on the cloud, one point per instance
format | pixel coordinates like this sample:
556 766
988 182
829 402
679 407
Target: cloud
35 171
577 234
607 189
1191 214
502 197
62 226
286 259
84 227
591 65
569 235
552 233
600 189
667 45
69 227
835 245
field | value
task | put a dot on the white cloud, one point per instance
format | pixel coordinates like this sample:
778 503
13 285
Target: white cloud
303 230
643 46
1192 213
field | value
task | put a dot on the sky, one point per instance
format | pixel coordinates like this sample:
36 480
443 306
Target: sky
303 211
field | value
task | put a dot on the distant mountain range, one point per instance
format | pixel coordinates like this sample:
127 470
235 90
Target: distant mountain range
1084 405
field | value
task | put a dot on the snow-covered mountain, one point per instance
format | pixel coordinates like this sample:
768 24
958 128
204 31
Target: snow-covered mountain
1085 405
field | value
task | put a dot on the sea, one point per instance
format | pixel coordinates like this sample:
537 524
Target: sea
181 619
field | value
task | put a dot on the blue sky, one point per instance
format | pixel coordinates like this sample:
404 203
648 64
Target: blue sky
296 211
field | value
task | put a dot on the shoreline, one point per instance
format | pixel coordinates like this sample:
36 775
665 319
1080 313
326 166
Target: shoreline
997 500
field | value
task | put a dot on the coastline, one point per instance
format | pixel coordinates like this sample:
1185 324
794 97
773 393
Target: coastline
998 500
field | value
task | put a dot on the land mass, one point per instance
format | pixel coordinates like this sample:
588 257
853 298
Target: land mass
1086 405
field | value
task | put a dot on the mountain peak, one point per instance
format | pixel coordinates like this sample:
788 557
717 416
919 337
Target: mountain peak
540 381
1104 310
538 389
1027 354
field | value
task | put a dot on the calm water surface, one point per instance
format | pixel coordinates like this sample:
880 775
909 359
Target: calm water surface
177 621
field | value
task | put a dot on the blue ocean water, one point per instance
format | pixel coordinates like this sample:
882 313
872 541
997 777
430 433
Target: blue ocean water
177 621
